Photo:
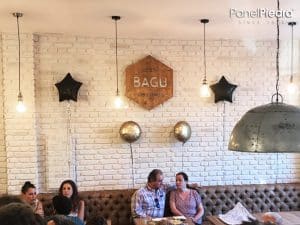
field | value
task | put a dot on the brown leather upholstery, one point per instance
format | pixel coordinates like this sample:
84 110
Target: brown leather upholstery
256 198
115 204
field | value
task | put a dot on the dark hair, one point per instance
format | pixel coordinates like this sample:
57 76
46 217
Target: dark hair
75 197
184 175
19 214
62 204
152 175
96 220
26 186
6 199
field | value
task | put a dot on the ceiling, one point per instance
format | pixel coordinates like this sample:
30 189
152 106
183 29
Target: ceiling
158 19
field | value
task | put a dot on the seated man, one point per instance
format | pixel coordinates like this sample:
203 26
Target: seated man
63 206
149 201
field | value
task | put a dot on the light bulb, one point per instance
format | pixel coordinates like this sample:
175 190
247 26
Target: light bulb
205 91
292 88
21 107
118 102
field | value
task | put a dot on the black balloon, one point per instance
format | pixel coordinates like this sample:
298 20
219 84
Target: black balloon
223 90
68 88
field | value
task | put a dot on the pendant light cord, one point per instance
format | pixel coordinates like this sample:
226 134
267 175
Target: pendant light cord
204 55
292 50
204 21
19 53
292 55
277 56
116 30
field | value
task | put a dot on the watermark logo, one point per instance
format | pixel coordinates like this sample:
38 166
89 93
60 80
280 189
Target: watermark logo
260 13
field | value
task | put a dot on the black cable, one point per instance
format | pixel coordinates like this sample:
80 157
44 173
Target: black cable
277 56
292 51
204 56
19 54
116 29
132 165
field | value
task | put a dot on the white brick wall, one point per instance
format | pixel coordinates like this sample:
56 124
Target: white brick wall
3 165
80 140
19 129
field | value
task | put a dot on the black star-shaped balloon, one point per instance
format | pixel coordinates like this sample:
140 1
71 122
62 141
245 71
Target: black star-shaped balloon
223 90
68 88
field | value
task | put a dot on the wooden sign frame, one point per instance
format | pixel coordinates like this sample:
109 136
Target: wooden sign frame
149 82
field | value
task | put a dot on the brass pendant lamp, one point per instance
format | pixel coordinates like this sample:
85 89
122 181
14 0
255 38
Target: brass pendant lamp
274 127
204 88
118 101
292 87
20 106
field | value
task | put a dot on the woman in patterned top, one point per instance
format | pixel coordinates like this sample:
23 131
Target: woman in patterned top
186 202
29 196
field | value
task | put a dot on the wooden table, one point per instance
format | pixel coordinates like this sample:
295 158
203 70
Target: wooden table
215 220
144 221
289 218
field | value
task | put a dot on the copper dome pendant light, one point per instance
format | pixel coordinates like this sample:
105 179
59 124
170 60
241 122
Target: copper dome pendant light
274 127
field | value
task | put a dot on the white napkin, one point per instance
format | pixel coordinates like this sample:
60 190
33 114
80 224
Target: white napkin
236 215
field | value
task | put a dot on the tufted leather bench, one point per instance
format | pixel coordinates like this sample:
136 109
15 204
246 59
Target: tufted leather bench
112 204
115 204
256 197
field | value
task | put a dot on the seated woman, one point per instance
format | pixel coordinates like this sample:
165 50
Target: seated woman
186 202
69 189
28 195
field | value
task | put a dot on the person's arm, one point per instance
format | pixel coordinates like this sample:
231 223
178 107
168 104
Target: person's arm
174 210
136 205
200 210
199 213
168 187
81 210
193 186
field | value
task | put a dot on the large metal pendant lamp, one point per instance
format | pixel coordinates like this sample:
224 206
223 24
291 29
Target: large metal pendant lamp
273 127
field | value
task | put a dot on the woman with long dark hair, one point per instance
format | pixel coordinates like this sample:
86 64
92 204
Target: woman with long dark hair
69 189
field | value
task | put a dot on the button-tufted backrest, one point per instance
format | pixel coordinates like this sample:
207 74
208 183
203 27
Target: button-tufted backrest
256 197
46 200
115 204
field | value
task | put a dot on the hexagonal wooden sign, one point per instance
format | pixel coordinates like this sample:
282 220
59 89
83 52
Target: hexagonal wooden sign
149 82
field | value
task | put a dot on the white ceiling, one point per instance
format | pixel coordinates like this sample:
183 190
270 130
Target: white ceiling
167 19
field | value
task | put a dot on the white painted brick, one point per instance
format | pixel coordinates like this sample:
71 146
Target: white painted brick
13 121
103 159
